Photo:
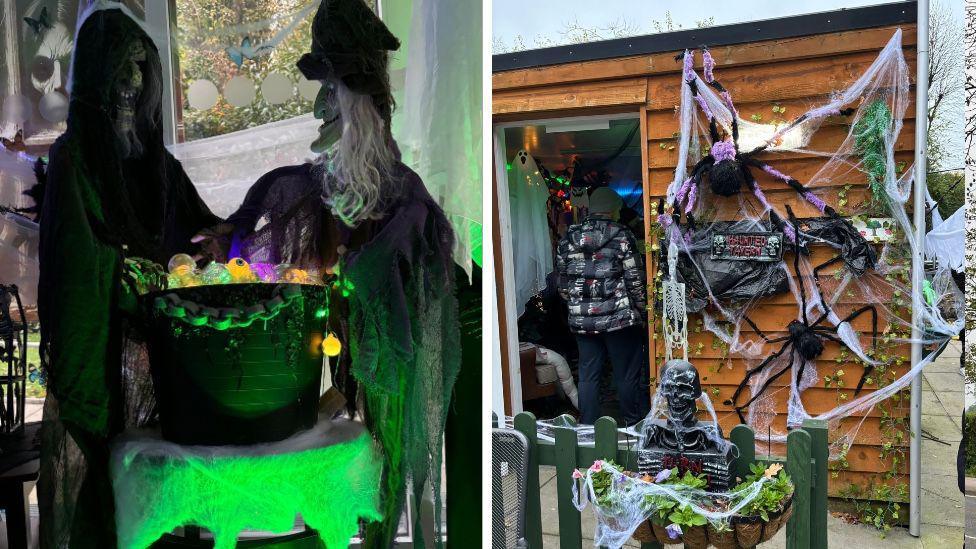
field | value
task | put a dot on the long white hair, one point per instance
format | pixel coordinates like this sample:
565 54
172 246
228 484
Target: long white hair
357 170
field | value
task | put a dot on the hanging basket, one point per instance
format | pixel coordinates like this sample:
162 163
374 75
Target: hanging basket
645 533
744 532
777 521
235 363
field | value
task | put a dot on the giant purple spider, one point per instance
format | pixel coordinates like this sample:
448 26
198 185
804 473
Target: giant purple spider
728 168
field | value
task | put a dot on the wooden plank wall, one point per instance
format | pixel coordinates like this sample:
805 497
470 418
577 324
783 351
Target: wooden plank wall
796 74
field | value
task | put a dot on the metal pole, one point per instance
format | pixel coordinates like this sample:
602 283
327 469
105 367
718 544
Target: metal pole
918 265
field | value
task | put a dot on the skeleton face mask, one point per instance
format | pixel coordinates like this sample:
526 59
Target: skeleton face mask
681 387
127 97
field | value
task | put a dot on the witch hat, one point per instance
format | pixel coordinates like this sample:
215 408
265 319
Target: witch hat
349 42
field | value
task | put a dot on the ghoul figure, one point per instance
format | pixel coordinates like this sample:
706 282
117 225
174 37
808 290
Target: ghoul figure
112 191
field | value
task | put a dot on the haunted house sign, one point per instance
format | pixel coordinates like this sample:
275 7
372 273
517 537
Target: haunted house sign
748 246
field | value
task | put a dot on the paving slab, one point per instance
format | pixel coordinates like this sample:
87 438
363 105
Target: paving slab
942 503
944 429
952 402
931 405
940 459
945 381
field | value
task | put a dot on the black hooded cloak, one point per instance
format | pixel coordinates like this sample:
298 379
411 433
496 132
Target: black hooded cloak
100 207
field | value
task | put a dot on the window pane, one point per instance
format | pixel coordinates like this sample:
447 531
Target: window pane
237 63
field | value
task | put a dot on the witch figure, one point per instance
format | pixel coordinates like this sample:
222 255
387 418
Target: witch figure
113 191
359 212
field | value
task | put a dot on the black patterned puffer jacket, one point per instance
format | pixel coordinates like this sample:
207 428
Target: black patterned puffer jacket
602 276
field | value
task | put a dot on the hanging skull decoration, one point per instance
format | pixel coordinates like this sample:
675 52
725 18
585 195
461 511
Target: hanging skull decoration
682 441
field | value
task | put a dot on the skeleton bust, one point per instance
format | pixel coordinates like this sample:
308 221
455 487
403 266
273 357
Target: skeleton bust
682 441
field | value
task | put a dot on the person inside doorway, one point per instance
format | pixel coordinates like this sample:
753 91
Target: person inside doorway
601 275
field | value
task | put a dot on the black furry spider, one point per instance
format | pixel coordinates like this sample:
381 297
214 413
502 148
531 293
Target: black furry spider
728 168
805 339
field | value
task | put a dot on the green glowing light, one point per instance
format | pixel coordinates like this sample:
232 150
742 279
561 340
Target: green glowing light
336 486
508 166
321 313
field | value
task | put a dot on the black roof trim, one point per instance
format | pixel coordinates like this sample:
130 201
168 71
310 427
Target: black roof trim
881 15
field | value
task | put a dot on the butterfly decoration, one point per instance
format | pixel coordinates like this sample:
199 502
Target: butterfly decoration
16 144
37 375
238 54
42 22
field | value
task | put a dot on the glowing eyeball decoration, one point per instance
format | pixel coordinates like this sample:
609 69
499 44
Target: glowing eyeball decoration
240 271
181 264
331 346
265 272
215 273
280 269
295 275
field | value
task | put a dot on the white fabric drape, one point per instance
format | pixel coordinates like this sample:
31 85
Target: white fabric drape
224 167
438 116
946 242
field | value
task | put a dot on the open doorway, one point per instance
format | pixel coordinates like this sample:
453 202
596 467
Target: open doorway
546 172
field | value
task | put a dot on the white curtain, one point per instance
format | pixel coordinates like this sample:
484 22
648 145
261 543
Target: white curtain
438 118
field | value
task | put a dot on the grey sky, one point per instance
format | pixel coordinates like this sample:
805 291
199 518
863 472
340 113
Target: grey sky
532 19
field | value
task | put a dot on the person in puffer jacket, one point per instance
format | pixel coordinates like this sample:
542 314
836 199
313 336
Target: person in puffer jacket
601 275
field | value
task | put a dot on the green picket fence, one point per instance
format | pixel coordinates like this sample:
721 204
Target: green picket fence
805 462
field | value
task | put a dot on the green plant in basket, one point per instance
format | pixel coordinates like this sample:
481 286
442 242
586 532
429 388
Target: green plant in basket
686 517
773 493
665 508
603 480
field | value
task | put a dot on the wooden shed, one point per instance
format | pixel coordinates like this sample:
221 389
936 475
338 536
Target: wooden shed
793 63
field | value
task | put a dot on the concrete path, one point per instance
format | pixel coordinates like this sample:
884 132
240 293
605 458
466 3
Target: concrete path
943 506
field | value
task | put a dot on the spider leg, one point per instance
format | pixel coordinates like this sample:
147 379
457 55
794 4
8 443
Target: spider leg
816 277
757 369
754 187
868 368
700 168
804 192
760 332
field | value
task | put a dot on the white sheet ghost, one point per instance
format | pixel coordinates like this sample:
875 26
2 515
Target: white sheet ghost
531 246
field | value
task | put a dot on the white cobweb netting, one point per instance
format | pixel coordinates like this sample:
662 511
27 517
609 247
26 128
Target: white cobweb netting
853 291
628 501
